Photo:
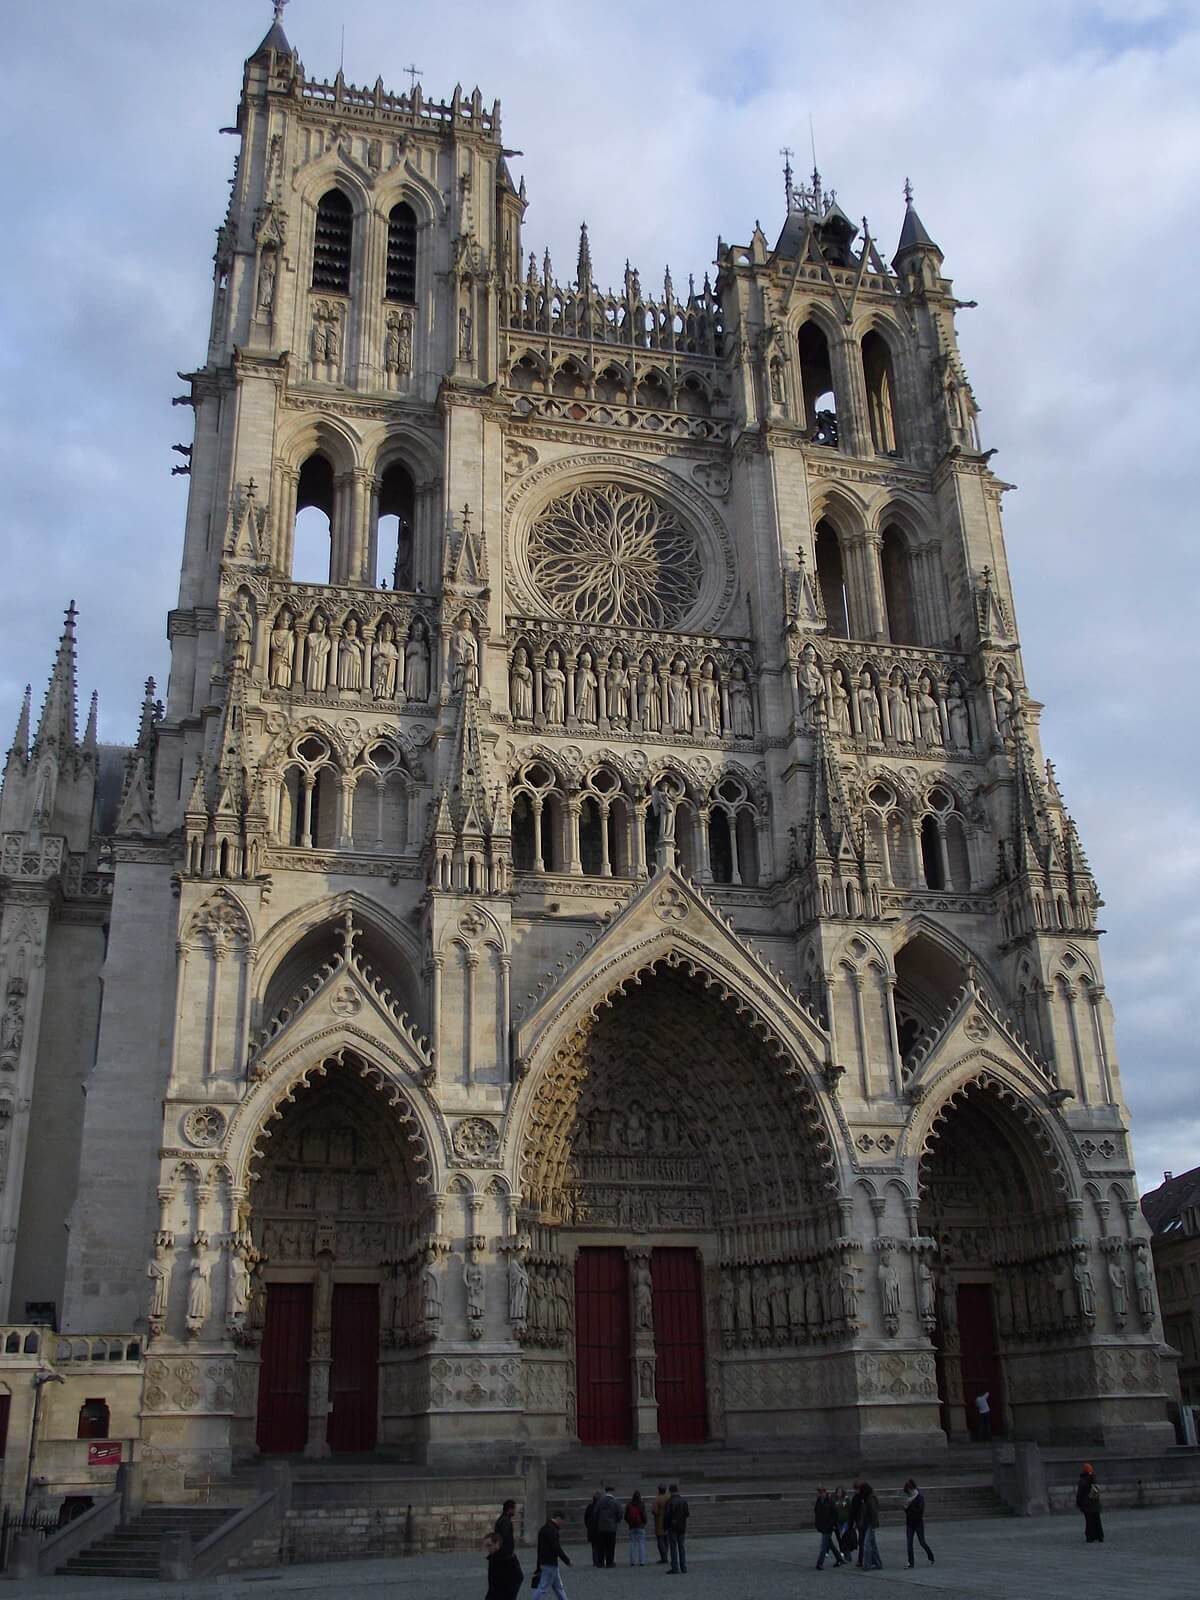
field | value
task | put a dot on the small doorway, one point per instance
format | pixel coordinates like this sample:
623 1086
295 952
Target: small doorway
354 1377
283 1380
679 1346
605 1398
980 1359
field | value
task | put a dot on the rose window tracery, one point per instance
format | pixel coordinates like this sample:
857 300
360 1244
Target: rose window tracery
608 554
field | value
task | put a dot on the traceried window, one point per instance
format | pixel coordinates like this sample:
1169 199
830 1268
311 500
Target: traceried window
402 254
332 243
609 554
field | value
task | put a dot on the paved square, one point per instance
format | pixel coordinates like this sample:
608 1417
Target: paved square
993 1559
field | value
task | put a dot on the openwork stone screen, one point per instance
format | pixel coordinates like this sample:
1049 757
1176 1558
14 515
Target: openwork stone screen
608 554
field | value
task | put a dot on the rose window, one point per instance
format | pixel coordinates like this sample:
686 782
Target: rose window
607 554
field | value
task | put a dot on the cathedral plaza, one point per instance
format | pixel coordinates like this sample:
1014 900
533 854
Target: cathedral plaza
587 959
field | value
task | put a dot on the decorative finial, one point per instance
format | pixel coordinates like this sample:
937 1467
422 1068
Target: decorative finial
349 934
279 5
908 192
412 73
787 153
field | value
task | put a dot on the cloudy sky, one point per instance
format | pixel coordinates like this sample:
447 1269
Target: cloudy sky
1055 150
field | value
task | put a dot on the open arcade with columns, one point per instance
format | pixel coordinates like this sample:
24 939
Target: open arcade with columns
591 949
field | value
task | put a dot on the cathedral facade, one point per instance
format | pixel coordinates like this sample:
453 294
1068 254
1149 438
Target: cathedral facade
590 949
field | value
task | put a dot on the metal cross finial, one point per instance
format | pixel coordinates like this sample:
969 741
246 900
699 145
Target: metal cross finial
787 153
279 5
412 73
908 192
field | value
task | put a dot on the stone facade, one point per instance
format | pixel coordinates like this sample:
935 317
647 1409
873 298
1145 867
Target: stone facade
636 838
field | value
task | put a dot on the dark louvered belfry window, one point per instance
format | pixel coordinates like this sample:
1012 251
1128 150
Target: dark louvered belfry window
402 254
331 246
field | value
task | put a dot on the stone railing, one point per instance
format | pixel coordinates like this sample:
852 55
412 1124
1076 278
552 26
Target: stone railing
76 1349
670 424
414 110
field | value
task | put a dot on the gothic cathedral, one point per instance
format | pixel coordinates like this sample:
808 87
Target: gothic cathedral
590 951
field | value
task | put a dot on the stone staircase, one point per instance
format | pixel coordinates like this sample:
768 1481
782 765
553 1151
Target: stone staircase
134 1550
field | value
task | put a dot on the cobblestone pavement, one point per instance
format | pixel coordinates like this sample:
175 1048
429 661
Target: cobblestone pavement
993 1559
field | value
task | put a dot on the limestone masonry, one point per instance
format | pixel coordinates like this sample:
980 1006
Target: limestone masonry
590 949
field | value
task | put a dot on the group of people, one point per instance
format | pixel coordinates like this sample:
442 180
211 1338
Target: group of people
850 1525
603 1516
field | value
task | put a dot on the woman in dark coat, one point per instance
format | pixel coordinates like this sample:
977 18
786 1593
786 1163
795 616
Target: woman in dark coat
1087 1498
505 1576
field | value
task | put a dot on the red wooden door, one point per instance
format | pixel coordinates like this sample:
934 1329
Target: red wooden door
354 1377
283 1379
980 1362
605 1397
679 1346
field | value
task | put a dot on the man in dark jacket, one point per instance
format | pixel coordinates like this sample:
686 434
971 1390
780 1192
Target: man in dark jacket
825 1522
914 1519
675 1520
589 1524
1087 1500
869 1519
550 1555
505 1576
504 1528
608 1520
854 1521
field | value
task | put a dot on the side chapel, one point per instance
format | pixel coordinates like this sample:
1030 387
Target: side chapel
589 949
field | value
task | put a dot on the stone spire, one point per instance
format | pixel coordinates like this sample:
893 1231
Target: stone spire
91 732
19 749
57 727
830 830
914 240
583 271
275 38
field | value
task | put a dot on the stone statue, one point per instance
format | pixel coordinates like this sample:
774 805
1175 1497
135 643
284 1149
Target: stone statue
949 1295
333 339
241 635
889 1286
741 707
1085 1288
679 697
416 665
562 1302
520 686
239 1283
617 690
1005 702
1143 1283
643 1298
811 685
851 1289
927 1292
899 709
646 1380
709 696
868 708
12 1028
728 1308
662 803
649 704
350 658
283 651
431 1295
586 684
385 665
267 267
779 1313
464 657
839 704
814 1312
745 1317
518 1290
398 343
1118 1284
554 689
761 1291
959 718
795 1299
473 1283
316 666
927 712
199 1301
159 1273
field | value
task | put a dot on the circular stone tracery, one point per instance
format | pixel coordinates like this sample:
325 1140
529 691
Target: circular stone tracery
608 554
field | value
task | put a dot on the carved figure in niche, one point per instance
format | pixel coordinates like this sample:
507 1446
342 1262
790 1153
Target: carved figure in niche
679 697
518 1290
199 1301
537 1303
473 1284
709 695
562 1302
839 703
643 1298
1085 1288
889 1286
267 268
1118 1285
333 338
465 335
728 1306
741 708
384 667
949 1291
927 712
12 1028
464 657
1005 702
959 717
898 708
662 803
868 708
814 1312
635 1129
283 651
646 1380
586 684
1143 1282
926 1292
398 343
431 1295
617 690
649 704
811 685
777 382
350 658
850 1290
779 1313
159 1273
416 664
316 666
239 1283
554 689
241 634
520 686
745 1316
795 1299
761 1292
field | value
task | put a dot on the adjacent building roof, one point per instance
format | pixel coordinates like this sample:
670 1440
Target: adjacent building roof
1174 1207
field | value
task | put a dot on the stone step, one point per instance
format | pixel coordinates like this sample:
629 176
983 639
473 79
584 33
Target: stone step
134 1550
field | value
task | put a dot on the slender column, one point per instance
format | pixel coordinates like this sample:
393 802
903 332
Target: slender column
346 806
320 1359
214 1009
245 961
574 864
735 874
944 853
539 864
637 841
435 1003
860 1028
1096 998
897 1062
181 963
605 858
506 1014
538 714
1070 994
470 966
705 819
939 690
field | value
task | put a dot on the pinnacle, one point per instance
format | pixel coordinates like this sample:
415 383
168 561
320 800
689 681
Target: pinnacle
20 744
57 725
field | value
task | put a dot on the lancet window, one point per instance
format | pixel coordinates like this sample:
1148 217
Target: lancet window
816 382
394 554
312 545
333 243
402 254
881 405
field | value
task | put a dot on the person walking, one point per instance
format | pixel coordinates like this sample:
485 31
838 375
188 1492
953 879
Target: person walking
505 1575
635 1521
869 1555
825 1522
854 1515
984 1408
675 1521
841 1512
551 1557
660 1526
914 1519
608 1520
593 1533
504 1527
1087 1499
